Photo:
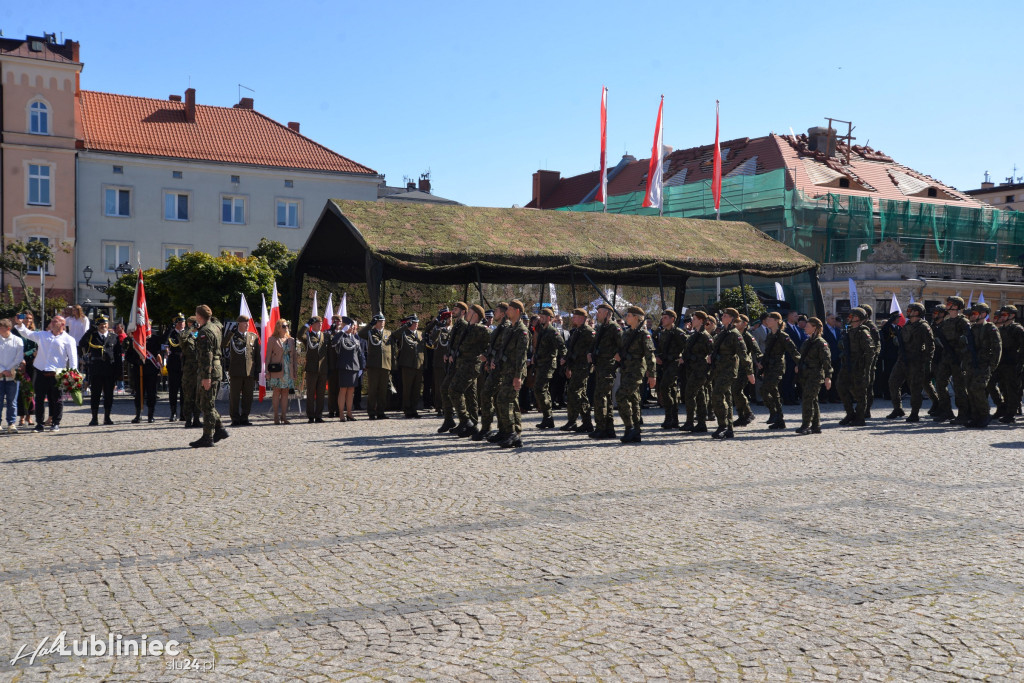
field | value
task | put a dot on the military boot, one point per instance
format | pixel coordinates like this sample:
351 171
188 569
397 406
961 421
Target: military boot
569 427
686 426
896 412
741 422
778 424
803 430
457 429
220 433
513 440
700 428
723 433
496 437
586 427
446 425
627 436
467 429
914 417
205 441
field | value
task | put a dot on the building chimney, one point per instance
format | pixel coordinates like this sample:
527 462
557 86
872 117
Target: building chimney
987 185
190 105
175 98
544 183
822 139
293 125
410 186
424 184
73 44
244 103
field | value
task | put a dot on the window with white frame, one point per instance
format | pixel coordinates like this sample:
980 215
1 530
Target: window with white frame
234 251
39 118
232 210
177 250
176 206
39 184
32 270
117 201
287 213
116 253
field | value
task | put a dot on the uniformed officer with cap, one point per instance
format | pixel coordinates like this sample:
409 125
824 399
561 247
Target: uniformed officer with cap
409 345
103 353
175 364
317 365
378 367
243 349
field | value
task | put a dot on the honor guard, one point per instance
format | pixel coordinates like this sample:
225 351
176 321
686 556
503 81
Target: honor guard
317 366
409 345
104 358
174 364
378 367
243 349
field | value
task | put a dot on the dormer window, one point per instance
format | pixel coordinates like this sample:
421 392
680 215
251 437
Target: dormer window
39 118
844 182
932 192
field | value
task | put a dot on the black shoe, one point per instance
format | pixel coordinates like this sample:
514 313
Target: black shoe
867 414
151 419
547 423
197 423
914 417
446 425
686 426
726 433
382 416
742 422
107 420
137 419
700 428
478 435
635 438
39 428
372 417
1008 419
781 424
205 441
94 422
597 434
496 437
569 427
220 434
897 412
718 433
586 427
804 430
627 436
858 422
815 430
846 420
606 433
318 420
934 410
513 440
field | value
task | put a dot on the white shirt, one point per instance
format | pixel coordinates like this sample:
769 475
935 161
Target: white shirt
77 328
12 352
55 352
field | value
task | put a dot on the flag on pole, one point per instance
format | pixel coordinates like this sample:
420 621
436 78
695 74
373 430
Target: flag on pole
602 188
652 198
553 298
716 177
970 300
243 309
981 297
329 311
343 306
854 300
894 307
779 293
263 346
138 328
315 307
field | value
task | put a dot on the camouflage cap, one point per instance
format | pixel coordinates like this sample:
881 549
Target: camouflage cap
635 310
981 307
916 307
955 301
859 312
478 309
1009 308
670 313
547 311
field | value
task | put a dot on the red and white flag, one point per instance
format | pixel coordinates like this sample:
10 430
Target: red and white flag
716 177
894 307
343 306
602 188
263 347
139 328
329 311
654 181
244 310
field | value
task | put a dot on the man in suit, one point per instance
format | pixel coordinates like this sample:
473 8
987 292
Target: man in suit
788 384
832 333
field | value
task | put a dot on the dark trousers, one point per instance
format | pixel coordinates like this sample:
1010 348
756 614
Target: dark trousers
174 382
47 390
412 387
240 397
146 392
316 392
101 381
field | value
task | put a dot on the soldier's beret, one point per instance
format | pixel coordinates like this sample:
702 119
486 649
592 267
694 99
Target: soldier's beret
462 305
916 307
868 311
547 311
859 312
478 309
670 313
579 311
744 318
941 308
100 319
518 305
607 307
489 313
502 305
635 310
732 312
775 315
956 301
179 318
981 307
377 317
700 315
1009 308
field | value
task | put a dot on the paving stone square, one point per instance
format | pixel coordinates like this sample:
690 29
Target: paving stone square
380 550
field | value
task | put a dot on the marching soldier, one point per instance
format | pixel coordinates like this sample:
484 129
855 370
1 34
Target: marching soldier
876 341
208 344
103 354
607 339
243 369
695 357
636 358
855 372
409 345
1007 377
512 372
726 355
916 349
317 366
174 367
577 371
778 344
190 375
950 335
667 351
549 346
748 362
489 392
454 337
813 369
378 367
468 358
984 348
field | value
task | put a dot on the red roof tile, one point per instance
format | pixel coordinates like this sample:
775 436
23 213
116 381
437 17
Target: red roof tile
50 51
150 127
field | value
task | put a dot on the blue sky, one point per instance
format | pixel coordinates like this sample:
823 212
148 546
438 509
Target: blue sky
483 94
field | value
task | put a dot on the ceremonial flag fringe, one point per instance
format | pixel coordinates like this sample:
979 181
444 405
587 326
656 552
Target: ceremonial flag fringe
652 198
602 188
716 178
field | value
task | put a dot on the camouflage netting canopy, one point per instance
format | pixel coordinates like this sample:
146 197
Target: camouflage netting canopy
365 241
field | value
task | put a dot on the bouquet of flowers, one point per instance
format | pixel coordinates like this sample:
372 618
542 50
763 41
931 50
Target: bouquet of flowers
70 382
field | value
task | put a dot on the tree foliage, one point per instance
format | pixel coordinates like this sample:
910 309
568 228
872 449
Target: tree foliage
19 257
733 298
281 261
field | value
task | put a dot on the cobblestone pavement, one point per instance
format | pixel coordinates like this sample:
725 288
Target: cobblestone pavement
382 550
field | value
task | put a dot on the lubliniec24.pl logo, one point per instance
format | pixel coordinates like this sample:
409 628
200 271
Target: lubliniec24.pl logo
113 645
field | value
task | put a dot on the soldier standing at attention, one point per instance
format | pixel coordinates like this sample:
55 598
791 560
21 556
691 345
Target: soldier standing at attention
778 344
876 351
438 334
378 367
577 371
950 336
103 356
695 365
667 351
209 372
467 371
607 339
512 372
174 361
813 369
914 365
454 337
748 362
729 349
332 365
408 343
243 368
550 346
317 365
489 392
150 376
984 348
189 374
1007 377
855 372
636 358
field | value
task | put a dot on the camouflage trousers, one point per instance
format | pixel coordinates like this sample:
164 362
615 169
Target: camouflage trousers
603 386
207 403
542 391
506 406
853 389
739 395
770 389
916 378
810 384
696 400
977 391
668 389
576 394
462 390
446 400
944 372
189 386
488 400
721 398
627 398
1005 387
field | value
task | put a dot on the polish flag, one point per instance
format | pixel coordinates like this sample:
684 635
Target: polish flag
894 307
716 177
263 346
343 306
139 329
329 311
602 188
652 198
243 309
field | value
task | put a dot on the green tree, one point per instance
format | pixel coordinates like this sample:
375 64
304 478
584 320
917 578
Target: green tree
19 257
281 261
733 298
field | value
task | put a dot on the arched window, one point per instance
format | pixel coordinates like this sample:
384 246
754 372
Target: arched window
39 118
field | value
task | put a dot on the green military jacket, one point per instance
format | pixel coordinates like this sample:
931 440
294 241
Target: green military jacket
581 342
455 336
550 346
637 351
918 343
876 338
669 346
189 356
815 359
950 335
497 337
409 346
473 345
988 347
696 352
728 352
1012 335
243 354
317 351
208 343
753 354
512 363
776 347
607 339
858 350
378 350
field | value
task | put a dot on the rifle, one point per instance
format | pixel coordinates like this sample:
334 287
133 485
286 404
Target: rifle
946 347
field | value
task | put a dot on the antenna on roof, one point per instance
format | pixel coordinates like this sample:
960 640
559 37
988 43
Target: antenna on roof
240 86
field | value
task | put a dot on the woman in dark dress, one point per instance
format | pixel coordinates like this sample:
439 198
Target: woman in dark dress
350 363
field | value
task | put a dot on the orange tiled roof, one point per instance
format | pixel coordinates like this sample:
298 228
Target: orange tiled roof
150 127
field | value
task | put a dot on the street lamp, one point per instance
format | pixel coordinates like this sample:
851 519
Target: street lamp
861 249
102 289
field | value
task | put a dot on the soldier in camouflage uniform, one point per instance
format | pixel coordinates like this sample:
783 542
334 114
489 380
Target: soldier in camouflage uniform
748 362
916 349
950 336
777 345
636 358
855 373
189 375
489 392
208 345
667 351
511 368
577 370
983 350
813 370
607 338
454 337
1006 380
726 357
550 347
695 365
876 341
467 371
